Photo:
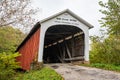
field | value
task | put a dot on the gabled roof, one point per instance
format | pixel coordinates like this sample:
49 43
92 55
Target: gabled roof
71 13
37 25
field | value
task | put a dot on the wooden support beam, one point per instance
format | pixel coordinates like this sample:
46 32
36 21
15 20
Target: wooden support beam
60 59
72 45
63 48
61 54
74 58
66 38
68 51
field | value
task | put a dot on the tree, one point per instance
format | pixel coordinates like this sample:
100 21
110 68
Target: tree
112 22
107 50
16 12
112 16
10 38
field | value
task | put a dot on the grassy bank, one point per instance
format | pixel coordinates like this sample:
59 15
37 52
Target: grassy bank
104 66
43 74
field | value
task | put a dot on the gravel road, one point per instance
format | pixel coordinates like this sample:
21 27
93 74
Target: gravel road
75 72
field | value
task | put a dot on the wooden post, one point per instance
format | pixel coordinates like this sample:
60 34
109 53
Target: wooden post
68 51
60 59
61 54
63 48
72 45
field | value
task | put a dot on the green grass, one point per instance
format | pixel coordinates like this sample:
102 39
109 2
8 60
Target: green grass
43 74
104 66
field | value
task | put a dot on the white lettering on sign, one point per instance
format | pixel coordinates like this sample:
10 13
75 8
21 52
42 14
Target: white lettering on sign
69 21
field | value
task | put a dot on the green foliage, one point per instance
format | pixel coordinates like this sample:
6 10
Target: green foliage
112 16
8 65
10 38
106 66
43 74
105 51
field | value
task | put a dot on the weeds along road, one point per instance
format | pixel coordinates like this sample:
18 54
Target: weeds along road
75 72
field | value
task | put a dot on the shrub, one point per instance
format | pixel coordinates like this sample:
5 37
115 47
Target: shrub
106 51
8 65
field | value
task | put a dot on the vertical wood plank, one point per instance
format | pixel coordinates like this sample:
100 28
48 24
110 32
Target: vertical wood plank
72 45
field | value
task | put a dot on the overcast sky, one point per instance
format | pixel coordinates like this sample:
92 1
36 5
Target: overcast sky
86 9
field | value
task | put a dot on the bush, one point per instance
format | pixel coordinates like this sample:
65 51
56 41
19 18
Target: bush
8 65
105 51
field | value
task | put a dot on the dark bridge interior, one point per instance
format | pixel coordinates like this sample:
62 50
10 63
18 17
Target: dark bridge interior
63 43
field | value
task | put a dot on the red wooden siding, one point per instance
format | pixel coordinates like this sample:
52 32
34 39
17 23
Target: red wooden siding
29 51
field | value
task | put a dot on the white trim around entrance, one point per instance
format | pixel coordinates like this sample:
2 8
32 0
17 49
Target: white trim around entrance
63 19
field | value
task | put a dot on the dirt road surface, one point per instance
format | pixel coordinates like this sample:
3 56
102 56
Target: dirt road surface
75 72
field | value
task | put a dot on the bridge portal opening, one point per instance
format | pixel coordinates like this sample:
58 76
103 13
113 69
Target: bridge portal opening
63 43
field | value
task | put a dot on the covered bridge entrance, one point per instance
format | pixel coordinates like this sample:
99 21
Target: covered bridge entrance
63 43
61 38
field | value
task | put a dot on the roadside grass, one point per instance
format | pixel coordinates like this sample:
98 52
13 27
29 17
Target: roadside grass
103 66
43 74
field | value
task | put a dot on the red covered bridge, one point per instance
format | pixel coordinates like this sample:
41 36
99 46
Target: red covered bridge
29 48
61 38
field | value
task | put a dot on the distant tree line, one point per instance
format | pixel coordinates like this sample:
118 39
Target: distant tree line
10 38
